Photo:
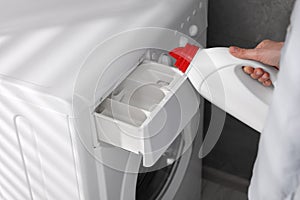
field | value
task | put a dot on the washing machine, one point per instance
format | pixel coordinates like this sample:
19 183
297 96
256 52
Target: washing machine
91 107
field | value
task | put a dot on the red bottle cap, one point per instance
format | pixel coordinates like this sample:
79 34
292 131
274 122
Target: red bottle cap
184 56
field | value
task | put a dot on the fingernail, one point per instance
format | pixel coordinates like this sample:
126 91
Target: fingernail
267 83
235 49
258 73
265 76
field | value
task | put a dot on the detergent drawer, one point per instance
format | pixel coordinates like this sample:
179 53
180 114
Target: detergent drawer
147 111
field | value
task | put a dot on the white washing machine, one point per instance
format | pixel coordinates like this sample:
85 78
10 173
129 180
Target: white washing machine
91 107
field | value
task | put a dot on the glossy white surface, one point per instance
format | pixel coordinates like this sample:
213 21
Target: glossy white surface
44 44
218 77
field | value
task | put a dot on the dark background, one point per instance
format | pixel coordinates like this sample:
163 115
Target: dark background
242 23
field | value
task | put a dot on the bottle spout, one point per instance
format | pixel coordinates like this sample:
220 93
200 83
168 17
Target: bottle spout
184 56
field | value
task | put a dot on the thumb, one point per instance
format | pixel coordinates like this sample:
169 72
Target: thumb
251 54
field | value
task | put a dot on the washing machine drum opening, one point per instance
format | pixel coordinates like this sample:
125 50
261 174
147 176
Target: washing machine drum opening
153 184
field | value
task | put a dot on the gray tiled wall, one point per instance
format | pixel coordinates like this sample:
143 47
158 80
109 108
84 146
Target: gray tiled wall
246 22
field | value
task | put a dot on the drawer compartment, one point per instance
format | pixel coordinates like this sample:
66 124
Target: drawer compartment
121 112
145 113
141 95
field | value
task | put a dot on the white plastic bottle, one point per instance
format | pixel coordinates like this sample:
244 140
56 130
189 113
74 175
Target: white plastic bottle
218 77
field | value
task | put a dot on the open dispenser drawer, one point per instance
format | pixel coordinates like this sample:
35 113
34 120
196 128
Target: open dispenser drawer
147 111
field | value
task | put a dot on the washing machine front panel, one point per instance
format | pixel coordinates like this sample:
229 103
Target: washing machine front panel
43 76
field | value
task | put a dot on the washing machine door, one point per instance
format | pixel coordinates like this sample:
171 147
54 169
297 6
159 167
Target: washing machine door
181 176
161 181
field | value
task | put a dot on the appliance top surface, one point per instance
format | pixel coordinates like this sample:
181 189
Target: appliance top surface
44 44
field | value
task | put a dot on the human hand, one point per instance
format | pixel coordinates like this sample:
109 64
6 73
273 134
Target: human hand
267 52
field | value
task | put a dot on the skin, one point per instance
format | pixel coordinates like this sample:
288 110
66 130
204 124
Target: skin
267 52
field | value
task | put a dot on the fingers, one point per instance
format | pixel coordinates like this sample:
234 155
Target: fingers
251 54
264 77
267 83
248 70
258 74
